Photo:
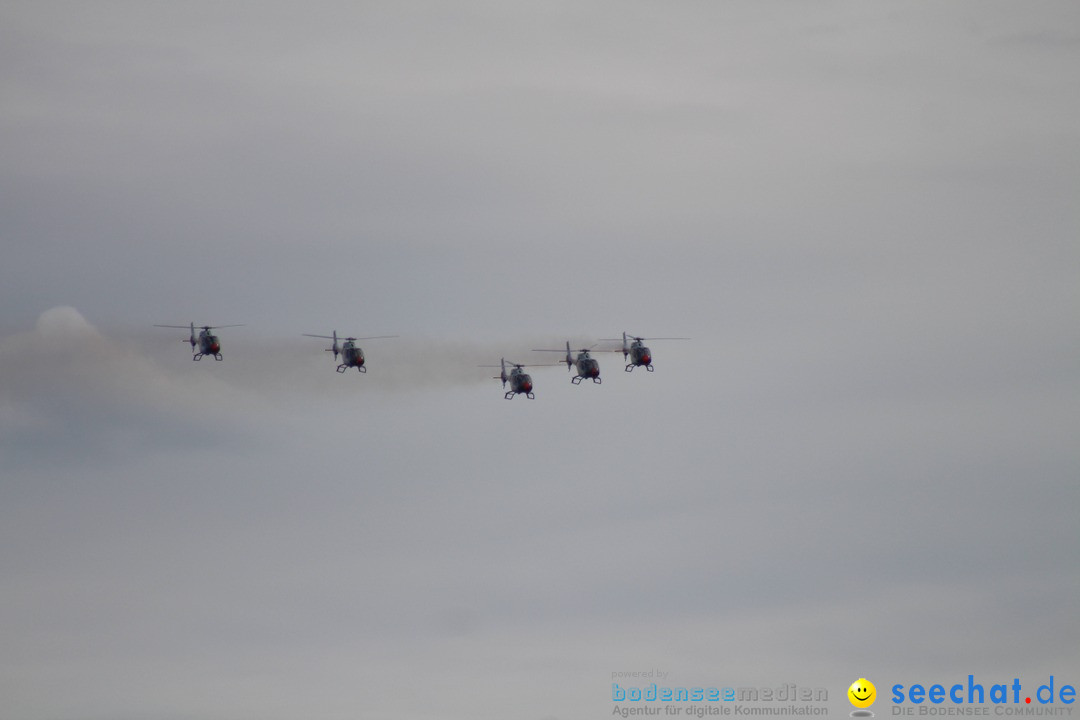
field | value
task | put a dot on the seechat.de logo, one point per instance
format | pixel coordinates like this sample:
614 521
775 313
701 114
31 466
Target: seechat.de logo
862 694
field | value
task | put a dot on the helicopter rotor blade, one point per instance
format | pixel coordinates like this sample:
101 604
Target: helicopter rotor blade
204 327
524 365
354 339
643 339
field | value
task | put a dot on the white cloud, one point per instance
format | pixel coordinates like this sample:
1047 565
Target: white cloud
71 393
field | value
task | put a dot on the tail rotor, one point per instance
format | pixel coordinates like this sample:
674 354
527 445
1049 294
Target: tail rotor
335 348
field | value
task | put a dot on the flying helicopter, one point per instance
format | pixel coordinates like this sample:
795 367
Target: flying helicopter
587 366
207 342
520 381
639 354
351 355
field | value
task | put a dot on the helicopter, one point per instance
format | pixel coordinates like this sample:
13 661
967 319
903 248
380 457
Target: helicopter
351 355
587 366
207 342
520 381
639 354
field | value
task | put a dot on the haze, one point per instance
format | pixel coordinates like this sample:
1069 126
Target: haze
863 464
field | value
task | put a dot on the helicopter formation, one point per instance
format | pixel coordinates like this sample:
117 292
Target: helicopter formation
586 365
634 351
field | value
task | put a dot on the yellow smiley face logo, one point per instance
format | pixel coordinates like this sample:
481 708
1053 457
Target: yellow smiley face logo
862 693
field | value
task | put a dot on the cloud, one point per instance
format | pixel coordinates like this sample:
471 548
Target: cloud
70 393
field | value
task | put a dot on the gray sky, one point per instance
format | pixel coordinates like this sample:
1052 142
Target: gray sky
864 463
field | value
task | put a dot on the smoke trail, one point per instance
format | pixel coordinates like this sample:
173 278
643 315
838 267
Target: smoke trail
67 391
298 365
66 380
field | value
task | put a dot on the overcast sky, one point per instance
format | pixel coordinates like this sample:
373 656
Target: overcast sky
864 463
